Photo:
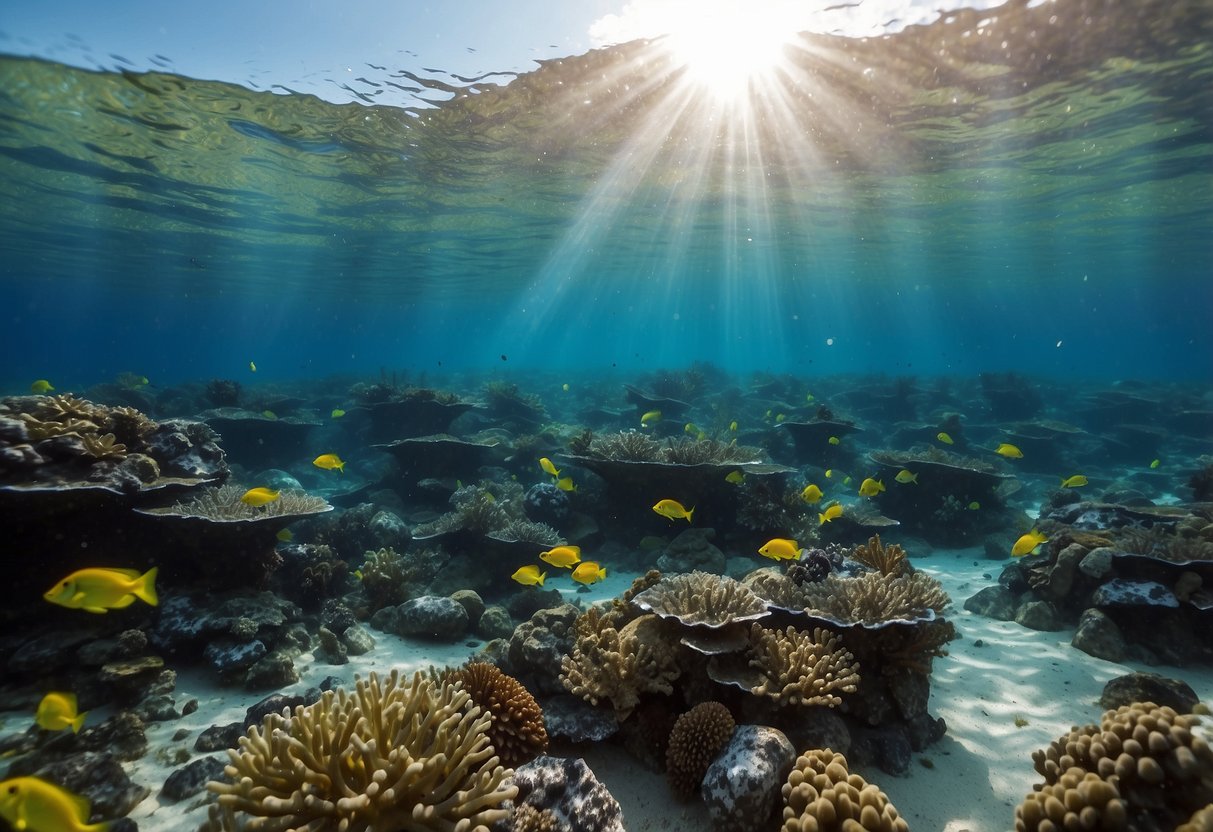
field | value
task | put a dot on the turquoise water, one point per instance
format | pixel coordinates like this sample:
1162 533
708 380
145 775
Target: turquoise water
1027 190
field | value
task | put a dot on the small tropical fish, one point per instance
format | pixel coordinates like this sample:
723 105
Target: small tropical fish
269 414
944 438
831 513
1009 451
1156 463
811 494
99 589
691 428
905 477
808 397
846 481
566 484
358 574
41 386
329 462
870 487
829 473
32 804
57 711
767 415
1027 543
973 506
735 477
780 548
562 556
1076 481
131 381
548 467
285 536
673 510
252 367
733 426
337 413
565 387
588 572
529 575
257 497
834 440
650 416
779 417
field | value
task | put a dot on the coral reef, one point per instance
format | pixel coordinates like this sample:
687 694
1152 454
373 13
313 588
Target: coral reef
695 740
701 598
618 665
822 795
490 509
222 504
801 668
873 598
387 756
517 732
887 560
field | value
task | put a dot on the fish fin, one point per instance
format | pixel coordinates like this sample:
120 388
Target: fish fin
145 590
129 573
98 610
78 723
80 806
123 602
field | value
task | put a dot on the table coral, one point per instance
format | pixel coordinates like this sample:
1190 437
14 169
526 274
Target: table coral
874 598
387 756
701 598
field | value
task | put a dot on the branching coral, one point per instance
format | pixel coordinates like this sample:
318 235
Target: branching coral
874 598
801 668
821 795
223 505
887 560
701 598
695 740
102 447
697 452
387 756
517 732
383 578
618 665
627 446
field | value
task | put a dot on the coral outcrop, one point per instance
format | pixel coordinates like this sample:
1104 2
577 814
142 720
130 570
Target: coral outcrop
702 599
517 732
802 668
617 666
822 795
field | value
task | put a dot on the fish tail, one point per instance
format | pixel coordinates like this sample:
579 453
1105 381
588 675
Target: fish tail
821 518
145 587
602 572
689 513
78 722
341 467
542 575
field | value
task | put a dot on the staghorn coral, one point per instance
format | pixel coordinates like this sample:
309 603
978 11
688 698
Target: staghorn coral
701 598
874 598
887 560
800 668
222 504
517 732
695 740
388 756
821 795
618 665
1160 769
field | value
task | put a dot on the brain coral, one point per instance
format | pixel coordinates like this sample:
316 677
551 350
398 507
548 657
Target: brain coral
517 734
821 795
695 740
387 756
701 598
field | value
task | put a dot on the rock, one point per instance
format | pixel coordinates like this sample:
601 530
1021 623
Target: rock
742 786
1134 593
537 647
388 531
219 737
472 603
128 644
1097 562
385 619
1148 687
572 719
157 708
432 616
1037 615
820 727
569 790
331 649
1097 635
995 602
358 640
94 775
229 657
276 703
691 550
1061 574
184 623
191 779
529 600
276 670
43 654
544 502
337 616
888 747
123 735
494 623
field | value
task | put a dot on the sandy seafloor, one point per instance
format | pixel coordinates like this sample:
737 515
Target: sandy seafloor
979 772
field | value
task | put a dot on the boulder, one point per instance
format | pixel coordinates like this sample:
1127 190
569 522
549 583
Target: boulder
742 786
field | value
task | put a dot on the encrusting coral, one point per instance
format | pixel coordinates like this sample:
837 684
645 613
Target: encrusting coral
695 740
800 668
821 795
701 598
618 665
388 756
517 733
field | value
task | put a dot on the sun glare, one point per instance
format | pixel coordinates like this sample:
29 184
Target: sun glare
725 45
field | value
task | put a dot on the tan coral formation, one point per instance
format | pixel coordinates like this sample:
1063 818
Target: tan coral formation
874 598
518 733
802 668
695 740
701 598
222 504
821 795
618 665
887 560
390 755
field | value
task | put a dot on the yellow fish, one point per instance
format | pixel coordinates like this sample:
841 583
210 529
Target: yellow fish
944 438
1009 451
829 473
905 477
257 497
973 506
41 386
548 467
834 440
811 494
588 572
673 510
269 414
57 711
337 413
691 428
808 397
1027 543
565 387
870 487
252 367
285 536
1156 463
733 426
779 417
1076 481
31 804
562 556
566 484
329 462
735 477
651 416
780 548
100 589
529 575
847 481
831 513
